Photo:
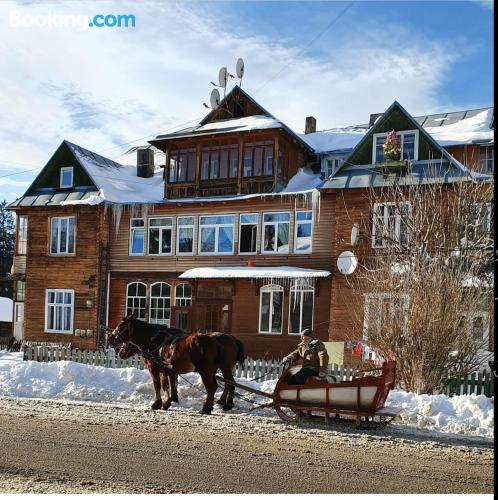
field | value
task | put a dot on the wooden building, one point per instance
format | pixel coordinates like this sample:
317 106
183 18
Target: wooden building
236 230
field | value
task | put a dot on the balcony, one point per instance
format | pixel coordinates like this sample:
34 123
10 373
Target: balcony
220 187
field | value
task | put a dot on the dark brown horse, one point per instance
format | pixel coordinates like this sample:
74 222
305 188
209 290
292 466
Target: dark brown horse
168 352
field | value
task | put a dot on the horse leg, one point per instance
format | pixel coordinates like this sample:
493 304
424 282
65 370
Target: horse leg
230 389
223 398
173 380
156 380
165 385
209 381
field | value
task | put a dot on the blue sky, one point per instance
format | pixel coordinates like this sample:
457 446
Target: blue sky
102 88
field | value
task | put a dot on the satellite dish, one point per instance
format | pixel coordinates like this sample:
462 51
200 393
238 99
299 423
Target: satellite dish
347 262
223 76
215 98
239 68
355 234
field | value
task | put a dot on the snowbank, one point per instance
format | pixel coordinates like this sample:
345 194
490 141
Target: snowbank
471 415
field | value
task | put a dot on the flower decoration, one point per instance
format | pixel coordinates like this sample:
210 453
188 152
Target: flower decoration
392 146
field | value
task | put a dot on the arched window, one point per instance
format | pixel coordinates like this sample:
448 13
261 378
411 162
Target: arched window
183 295
160 303
271 298
301 308
136 294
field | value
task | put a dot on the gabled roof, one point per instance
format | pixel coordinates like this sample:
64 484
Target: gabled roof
107 181
473 126
260 119
416 126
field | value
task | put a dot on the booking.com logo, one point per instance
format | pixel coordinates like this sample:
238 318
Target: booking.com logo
58 19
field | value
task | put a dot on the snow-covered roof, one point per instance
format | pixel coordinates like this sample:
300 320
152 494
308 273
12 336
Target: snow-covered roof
334 139
256 122
472 128
304 180
6 307
476 129
117 183
252 272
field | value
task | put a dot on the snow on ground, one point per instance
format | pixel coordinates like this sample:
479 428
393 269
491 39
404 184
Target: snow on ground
67 380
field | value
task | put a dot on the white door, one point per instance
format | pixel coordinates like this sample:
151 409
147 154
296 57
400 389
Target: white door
18 320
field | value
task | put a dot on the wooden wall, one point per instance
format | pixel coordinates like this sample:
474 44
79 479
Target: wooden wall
80 272
468 154
318 259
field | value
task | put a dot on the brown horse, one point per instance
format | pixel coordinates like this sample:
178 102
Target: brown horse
168 352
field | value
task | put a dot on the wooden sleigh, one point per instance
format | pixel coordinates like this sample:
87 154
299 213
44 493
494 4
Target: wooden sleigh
361 400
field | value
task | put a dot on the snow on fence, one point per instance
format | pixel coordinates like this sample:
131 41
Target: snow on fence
261 369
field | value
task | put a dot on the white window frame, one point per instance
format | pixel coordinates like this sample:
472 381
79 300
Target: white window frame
128 296
177 237
369 297
488 158
271 289
469 318
217 228
301 290
56 305
160 300
59 219
176 304
331 165
296 223
248 224
22 235
401 134
276 224
150 226
20 287
397 223
63 171
132 232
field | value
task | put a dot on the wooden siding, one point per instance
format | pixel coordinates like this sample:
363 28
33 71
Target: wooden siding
244 320
121 261
468 154
347 306
79 272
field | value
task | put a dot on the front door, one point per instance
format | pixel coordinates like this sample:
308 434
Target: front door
212 317
18 320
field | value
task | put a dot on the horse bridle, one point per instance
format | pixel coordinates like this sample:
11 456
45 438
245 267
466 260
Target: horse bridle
118 336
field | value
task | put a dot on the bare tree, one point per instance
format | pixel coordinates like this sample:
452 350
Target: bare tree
426 283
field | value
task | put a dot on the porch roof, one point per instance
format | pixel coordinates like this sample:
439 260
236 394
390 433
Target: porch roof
253 272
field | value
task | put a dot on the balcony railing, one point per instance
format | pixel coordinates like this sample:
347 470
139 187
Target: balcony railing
220 187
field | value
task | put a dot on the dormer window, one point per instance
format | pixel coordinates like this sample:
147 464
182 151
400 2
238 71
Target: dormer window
66 180
409 145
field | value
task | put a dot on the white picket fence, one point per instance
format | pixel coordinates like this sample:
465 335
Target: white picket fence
261 369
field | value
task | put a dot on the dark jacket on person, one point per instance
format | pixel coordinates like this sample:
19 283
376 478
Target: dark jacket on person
313 354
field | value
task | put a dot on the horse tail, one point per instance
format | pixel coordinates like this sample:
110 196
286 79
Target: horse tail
241 355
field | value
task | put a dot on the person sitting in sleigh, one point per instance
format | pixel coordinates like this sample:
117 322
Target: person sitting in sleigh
314 355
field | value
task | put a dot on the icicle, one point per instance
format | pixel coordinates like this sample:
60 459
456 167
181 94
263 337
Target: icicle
117 210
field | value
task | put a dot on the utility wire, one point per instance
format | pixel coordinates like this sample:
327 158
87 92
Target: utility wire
313 40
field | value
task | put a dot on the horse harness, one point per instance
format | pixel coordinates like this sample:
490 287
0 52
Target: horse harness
156 345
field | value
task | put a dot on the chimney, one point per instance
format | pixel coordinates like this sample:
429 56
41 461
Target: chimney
145 162
310 125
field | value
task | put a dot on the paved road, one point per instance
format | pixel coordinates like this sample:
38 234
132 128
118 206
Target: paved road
56 447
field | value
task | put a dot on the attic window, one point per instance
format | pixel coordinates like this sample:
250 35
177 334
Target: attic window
409 145
66 180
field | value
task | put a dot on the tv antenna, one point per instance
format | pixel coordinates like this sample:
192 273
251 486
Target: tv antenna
214 100
239 69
